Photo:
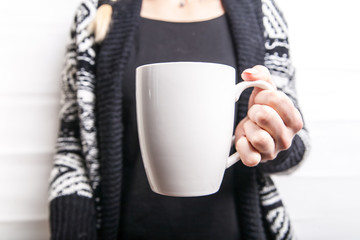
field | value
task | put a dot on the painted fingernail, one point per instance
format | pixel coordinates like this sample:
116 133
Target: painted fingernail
251 71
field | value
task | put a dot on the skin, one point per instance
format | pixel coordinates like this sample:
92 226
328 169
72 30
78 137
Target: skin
271 123
272 120
193 10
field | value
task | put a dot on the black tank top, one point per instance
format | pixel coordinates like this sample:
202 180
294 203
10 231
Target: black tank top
147 215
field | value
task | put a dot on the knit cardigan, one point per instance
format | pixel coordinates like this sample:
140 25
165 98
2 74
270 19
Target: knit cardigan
86 179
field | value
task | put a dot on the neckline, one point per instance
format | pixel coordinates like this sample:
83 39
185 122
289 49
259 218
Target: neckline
176 22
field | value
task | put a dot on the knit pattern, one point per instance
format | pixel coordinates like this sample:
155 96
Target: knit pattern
114 53
277 220
277 60
86 180
75 178
76 163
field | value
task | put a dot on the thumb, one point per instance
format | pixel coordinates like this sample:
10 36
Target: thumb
257 72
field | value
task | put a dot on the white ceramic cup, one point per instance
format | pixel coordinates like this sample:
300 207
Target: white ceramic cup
185 116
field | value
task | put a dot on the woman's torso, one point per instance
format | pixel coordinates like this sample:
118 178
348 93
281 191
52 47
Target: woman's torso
146 215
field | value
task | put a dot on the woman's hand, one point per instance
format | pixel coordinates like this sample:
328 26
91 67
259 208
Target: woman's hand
270 125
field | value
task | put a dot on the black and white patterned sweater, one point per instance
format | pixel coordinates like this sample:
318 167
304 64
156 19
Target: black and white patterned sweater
84 196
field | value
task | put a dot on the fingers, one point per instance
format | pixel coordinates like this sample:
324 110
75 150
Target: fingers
268 119
283 106
271 123
258 72
265 133
260 140
248 155
256 144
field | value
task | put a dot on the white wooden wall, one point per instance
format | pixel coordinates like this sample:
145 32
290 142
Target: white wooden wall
32 43
322 197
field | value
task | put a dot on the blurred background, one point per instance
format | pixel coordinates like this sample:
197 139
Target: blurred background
322 197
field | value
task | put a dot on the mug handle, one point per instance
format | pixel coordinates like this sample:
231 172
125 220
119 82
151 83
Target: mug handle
239 88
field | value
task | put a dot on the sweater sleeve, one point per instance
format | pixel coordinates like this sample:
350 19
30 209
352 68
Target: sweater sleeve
277 60
71 196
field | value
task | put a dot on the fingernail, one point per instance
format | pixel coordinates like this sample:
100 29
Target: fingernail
251 71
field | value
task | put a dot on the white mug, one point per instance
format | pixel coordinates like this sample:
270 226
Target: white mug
185 116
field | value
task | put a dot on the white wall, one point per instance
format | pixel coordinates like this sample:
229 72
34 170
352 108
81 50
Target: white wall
321 196
32 43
